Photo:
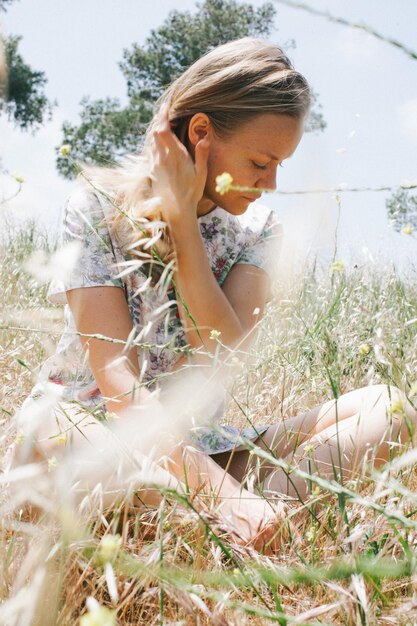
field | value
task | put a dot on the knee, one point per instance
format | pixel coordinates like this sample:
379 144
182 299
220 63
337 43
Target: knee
397 406
389 395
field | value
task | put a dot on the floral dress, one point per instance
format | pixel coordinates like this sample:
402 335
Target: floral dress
252 238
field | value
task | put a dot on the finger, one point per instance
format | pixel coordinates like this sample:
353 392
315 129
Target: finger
164 114
163 133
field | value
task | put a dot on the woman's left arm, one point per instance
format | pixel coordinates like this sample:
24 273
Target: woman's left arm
204 305
233 310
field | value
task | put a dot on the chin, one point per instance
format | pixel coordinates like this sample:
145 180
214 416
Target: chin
236 206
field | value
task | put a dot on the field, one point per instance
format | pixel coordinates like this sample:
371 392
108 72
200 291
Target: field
347 558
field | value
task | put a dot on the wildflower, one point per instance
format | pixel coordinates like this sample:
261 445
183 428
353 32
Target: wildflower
397 407
337 266
311 535
308 449
62 438
364 349
223 183
20 437
110 415
215 334
52 463
100 616
109 547
18 177
65 150
407 230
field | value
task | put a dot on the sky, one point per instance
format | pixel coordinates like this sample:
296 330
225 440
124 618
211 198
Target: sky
366 87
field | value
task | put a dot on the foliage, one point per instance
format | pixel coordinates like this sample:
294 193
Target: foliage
4 4
25 102
107 130
402 209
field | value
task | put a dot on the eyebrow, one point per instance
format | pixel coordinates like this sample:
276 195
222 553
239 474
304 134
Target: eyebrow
270 156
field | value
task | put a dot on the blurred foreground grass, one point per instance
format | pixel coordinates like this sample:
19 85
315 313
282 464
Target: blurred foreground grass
351 559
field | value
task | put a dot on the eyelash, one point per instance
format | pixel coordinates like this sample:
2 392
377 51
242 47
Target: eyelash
263 167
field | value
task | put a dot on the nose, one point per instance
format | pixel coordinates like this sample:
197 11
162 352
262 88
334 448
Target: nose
268 180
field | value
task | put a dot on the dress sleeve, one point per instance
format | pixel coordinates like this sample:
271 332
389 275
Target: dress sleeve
263 246
84 221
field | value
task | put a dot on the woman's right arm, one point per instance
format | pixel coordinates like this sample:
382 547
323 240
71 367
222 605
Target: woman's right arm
104 311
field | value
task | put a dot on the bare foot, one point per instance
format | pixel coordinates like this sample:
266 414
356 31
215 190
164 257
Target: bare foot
255 521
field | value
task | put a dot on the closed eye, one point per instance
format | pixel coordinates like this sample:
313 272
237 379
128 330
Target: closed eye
259 166
263 167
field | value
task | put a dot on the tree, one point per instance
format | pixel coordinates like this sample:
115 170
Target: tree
25 102
402 209
21 88
4 4
107 131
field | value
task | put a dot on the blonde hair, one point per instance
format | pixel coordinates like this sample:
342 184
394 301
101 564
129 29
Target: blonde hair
231 84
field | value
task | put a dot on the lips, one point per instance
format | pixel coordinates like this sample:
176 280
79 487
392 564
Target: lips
251 199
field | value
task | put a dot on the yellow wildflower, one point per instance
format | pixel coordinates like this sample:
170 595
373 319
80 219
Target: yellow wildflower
397 407
99 617
20 437
109 547
407 230
337 266
52 463
364 349
65 150
223 183
18 177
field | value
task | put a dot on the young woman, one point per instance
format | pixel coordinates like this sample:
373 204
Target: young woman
240 109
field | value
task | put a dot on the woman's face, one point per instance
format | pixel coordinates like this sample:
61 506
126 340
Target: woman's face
252 156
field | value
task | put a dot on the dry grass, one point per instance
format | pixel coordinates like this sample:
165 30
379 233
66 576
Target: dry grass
351 558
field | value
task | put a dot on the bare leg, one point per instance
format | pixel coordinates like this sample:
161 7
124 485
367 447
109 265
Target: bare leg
368 407
251 518
379 417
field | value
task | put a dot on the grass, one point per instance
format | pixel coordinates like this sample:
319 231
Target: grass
350 561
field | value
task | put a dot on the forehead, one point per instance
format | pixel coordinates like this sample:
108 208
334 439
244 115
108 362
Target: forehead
270 133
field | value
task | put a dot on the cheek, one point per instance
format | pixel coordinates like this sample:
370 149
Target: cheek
216 164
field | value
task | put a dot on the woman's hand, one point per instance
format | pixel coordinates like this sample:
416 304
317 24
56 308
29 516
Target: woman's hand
176 178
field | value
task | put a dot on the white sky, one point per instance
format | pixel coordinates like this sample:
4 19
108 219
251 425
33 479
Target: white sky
368 90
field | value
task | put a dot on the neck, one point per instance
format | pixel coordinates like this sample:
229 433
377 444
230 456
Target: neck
204 206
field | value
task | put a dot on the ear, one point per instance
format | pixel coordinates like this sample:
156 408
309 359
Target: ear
199 128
